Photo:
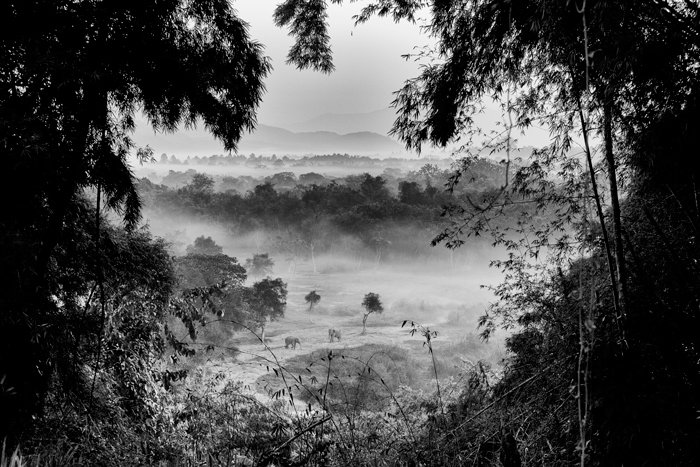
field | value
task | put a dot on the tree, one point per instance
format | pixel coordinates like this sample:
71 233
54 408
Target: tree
202 270
374 188
628 72
313 178
109 336
311 234
74 75
266 300
259 265
204 246
371 304
588 58
312 298
379 244
199 191
208 285
283 180
201 183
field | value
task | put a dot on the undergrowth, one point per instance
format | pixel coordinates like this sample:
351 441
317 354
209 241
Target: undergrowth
370 405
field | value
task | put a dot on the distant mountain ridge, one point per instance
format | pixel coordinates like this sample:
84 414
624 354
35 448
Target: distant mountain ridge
378 121
269 139
352 133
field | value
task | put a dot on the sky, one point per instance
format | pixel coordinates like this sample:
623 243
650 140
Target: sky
368 69
367 59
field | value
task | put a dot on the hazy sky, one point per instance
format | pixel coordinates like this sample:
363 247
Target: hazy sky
369 68
367 58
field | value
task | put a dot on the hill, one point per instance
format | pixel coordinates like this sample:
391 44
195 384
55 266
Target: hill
271 139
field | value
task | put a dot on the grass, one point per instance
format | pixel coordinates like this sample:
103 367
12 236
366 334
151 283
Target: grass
360 378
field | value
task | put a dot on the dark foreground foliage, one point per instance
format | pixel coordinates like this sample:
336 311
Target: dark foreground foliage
600 295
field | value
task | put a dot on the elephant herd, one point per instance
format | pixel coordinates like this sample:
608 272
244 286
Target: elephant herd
291 341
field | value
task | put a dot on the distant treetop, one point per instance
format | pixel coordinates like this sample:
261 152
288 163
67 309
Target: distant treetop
259 265
204 246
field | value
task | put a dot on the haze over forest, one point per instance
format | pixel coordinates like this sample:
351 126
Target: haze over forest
290 233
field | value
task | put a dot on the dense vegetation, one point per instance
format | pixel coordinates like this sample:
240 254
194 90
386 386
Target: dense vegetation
392 216
601 292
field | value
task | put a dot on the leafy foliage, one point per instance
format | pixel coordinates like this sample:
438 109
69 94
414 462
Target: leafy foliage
208 286
306 222
106 339
74 75
307 19
603 362
371 304
312 298
267 300
204 246
578 295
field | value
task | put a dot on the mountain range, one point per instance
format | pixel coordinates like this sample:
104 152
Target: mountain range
268 139
357 133
378 121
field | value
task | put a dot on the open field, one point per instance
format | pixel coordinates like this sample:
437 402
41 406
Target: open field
448 301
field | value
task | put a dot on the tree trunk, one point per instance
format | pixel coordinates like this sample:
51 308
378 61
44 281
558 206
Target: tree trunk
262 333
313 258
599 211
615 203
364 324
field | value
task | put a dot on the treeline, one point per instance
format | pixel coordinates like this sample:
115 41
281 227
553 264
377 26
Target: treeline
310 217
483 174
267 205
271 161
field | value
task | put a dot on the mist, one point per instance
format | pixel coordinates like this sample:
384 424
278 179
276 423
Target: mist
432 285
342 226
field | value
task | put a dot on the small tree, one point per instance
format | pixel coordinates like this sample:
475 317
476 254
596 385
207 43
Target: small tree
312 298
260 265
204 246
266 299
371 304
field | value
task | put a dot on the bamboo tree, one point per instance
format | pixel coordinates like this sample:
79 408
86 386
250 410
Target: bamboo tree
599 209
615 204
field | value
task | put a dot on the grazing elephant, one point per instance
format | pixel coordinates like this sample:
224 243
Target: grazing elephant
293 341
333 333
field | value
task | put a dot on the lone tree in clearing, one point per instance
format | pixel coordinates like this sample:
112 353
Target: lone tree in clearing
312 298
372 304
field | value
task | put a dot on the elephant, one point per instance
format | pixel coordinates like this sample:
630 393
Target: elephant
333 333
293 341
